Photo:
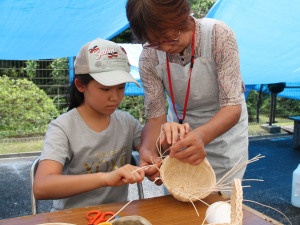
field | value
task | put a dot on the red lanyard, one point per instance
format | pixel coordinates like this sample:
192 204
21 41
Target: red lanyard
189 84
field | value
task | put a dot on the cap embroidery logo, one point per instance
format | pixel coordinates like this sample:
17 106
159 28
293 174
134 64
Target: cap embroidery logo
123 49
95 49
112 54
108 51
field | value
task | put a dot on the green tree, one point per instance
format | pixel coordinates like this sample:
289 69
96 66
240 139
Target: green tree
30 69
285 107
60 77
135 106
201 7
25 109
124 37
252 105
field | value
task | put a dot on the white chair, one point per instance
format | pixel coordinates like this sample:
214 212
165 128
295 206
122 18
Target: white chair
33 168
35 163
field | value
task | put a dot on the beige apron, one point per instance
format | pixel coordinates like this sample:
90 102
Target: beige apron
223 152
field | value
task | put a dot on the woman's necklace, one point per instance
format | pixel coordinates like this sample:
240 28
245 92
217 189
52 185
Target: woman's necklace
189 84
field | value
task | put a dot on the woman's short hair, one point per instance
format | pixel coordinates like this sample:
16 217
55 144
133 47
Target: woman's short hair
154 17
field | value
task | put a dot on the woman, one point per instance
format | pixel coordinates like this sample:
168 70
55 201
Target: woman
196 61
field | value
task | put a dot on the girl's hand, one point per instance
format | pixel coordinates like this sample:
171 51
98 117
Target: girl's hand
124 175
173 132
190 149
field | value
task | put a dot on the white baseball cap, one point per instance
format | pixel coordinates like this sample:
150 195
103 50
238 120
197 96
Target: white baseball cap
105 61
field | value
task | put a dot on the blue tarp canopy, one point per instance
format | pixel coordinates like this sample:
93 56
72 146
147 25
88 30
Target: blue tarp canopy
48 29
267 32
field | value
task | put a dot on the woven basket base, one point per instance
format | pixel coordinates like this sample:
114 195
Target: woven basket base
187 182
131 220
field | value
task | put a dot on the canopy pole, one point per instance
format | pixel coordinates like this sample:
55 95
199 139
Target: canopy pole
258 103
71 69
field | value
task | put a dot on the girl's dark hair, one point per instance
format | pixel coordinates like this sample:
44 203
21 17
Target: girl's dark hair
153 17
76 97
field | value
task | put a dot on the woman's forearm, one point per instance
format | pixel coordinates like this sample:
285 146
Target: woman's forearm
223 121
151 133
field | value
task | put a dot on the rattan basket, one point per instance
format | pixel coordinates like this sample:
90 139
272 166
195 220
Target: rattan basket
56 224
131 220
187 182
237 203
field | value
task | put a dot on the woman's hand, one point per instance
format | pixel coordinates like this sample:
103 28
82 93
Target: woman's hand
173 132
150 158
124 175
190 149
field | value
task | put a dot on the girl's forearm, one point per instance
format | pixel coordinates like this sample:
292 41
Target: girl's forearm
56 186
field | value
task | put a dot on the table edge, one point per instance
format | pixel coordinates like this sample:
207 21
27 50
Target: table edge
261 215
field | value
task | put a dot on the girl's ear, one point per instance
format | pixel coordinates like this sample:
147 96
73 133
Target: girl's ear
80 87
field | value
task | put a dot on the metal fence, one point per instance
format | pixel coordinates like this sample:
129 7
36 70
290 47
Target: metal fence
52 76
25 110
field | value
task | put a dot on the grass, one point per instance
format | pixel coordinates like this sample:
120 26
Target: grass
255 129
37 145
18 147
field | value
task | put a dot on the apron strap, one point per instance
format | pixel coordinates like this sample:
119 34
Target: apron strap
206 27
162 63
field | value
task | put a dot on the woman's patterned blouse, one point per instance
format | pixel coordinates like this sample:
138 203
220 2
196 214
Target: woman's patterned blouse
224 52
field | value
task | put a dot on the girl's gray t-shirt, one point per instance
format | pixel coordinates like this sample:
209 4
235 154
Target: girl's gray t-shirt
81 150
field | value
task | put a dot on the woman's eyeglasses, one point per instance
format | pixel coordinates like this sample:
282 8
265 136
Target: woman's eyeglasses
156 45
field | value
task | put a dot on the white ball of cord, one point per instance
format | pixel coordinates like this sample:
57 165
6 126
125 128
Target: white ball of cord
218 212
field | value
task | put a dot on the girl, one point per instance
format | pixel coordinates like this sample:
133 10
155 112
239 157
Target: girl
87 150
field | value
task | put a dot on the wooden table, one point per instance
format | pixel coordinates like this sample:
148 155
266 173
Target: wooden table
163 210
